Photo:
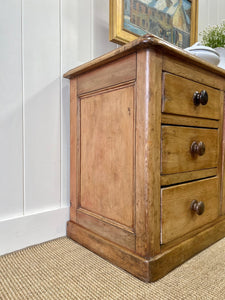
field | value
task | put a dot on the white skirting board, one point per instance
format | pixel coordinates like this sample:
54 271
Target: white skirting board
19 233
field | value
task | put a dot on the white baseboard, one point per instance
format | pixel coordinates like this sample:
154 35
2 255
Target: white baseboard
33 229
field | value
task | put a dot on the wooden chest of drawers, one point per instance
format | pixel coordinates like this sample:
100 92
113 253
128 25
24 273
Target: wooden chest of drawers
147 155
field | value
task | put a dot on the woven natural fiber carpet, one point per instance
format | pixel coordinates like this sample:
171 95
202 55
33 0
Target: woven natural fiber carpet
62 269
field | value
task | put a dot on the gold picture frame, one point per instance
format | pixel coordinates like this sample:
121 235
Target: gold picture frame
120 35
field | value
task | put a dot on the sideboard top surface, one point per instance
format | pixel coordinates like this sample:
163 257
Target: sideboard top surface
146 42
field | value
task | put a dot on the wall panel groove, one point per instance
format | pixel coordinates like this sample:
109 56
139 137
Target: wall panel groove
11 151
60 72
23 104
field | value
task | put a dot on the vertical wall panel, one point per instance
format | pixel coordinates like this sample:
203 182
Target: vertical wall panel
100 28
42 104
76 33
210 13
221 10
85 35
76 49
203 15
11 172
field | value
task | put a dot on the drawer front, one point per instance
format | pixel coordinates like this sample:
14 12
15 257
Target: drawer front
178 98
177 216
176 154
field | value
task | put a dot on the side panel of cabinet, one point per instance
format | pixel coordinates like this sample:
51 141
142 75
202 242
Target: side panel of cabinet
74 149
107 155
110 74
223 156
103 153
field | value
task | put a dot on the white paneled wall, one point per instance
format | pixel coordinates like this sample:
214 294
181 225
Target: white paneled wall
211 12
41 78
84 29
11 137
39 41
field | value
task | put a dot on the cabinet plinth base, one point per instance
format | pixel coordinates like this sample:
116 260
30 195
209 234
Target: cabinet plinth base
148 270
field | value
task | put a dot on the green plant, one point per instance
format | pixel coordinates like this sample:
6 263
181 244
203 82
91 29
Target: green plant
214 36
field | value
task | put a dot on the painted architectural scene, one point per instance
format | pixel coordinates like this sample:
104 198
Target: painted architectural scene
168 19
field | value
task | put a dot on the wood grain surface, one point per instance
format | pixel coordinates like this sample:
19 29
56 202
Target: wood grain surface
177 217
176 149
107 155
178 98
148 153
133 174
170 179
121 71
173 119
74 149
173 53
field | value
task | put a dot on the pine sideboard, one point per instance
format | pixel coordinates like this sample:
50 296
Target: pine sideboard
147 156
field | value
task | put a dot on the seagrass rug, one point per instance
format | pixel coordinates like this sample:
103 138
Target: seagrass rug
62 269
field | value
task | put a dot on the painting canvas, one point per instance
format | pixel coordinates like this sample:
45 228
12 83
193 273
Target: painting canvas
168 19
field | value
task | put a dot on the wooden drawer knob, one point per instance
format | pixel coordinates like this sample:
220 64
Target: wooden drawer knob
197 207
200 98
198 148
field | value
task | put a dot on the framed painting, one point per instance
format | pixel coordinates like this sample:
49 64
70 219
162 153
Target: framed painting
175 21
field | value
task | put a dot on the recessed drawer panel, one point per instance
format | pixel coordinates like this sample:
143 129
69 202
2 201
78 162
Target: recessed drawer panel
180 214
178 98
186 149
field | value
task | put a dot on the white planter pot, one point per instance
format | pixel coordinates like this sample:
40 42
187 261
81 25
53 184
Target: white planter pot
203 52
221 52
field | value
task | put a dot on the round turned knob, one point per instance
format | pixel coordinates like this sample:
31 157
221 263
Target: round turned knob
200 98
197 207
198 148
